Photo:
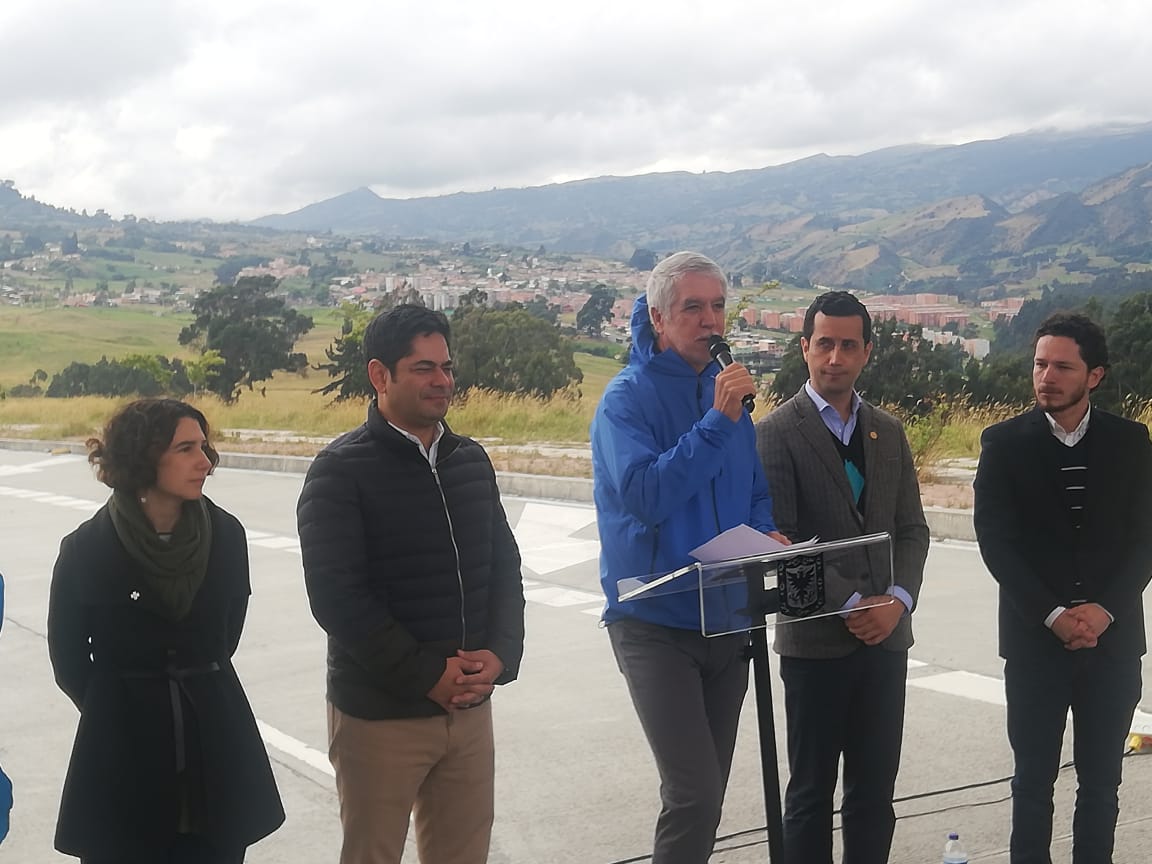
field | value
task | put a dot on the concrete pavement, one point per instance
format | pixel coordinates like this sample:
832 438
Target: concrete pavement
943 522
575 779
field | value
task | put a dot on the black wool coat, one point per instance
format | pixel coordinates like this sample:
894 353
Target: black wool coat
165 728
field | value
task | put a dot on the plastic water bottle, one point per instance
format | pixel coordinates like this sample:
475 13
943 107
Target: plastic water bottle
953 852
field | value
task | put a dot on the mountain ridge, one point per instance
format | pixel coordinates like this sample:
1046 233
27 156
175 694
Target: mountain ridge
666 210
950 218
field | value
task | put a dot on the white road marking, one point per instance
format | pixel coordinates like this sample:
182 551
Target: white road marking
271 542
949 543
968 685
560 597
295 748
36 467
556 554
23 493
68 501
64 500
1142 723
544 534
985 688
56 461
542 524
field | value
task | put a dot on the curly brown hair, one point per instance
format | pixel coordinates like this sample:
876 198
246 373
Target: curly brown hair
135 438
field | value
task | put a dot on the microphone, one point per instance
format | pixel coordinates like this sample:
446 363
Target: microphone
722 354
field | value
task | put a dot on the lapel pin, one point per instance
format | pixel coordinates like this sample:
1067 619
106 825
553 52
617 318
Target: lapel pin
135 595
872 435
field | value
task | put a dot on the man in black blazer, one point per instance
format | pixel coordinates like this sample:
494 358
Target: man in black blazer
1063 515
839 468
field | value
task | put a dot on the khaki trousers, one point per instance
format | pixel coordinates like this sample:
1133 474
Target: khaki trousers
440 770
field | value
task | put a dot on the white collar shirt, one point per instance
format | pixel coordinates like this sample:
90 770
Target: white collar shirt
836 424
1069 439
428 453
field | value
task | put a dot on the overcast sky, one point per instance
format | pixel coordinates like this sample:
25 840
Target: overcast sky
232 109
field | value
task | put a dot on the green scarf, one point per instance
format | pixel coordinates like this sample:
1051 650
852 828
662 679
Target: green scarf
173 569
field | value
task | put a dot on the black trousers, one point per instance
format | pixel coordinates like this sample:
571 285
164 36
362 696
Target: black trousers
687 691
1102 693
852 707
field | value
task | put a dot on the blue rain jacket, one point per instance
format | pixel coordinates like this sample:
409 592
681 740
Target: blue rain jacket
670 472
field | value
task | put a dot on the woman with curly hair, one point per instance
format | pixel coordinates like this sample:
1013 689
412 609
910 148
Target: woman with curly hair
147 605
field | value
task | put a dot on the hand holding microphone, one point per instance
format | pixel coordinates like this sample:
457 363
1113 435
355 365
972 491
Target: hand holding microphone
734 384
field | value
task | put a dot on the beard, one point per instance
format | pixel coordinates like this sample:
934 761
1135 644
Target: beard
1054 403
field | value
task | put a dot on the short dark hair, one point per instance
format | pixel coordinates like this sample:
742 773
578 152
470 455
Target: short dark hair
838 304
1086 333
389 335
135 438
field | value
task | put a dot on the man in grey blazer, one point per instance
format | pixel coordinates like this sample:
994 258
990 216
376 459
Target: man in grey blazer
838 468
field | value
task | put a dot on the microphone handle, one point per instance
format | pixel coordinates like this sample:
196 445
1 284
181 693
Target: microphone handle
725 360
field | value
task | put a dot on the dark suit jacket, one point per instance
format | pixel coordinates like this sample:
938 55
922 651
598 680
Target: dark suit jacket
1029 545
812 496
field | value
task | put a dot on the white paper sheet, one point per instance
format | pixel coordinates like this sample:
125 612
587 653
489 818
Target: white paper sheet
743 541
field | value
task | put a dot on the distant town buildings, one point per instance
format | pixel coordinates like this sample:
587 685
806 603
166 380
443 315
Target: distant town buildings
931 312
1002 310
278 268
442 276
441 285
977 348
927 310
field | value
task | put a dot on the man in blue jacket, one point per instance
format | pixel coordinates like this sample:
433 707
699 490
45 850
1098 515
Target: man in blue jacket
674 464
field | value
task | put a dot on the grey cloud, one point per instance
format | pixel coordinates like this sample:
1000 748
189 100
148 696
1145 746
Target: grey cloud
310 100
73 53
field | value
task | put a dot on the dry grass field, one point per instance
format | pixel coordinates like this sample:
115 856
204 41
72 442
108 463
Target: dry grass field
32 339
50 339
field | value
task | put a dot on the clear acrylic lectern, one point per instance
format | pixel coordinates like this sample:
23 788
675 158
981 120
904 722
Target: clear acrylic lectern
806 582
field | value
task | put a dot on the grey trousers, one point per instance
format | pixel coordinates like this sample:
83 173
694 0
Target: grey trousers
687 691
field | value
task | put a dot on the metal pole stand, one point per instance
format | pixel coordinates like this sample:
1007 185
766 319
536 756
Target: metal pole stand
762 603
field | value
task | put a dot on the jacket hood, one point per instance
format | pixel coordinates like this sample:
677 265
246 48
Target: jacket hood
643 336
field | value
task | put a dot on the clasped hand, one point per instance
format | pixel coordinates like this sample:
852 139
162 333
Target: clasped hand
1081 626
468 679
874 624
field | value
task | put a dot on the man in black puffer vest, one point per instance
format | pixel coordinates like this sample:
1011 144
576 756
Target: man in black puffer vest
413 572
